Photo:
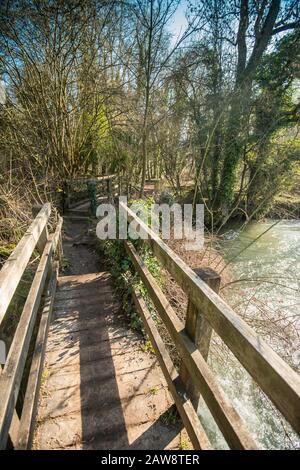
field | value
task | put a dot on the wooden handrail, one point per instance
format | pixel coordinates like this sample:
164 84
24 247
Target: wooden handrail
26 427
220 407
95 179
275 377
15 265
184 405
12 373
108 179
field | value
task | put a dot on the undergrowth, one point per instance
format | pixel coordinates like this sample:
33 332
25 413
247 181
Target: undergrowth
127 280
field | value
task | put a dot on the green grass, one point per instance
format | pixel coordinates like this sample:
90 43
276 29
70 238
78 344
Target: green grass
171 416
5 251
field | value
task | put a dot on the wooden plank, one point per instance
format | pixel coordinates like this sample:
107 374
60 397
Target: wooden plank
15 424
185 408
56 238
226 417
199 330
25 434
15 265
44 235
197 327
275 377
59 244
109 191
11 376
95 179
76 205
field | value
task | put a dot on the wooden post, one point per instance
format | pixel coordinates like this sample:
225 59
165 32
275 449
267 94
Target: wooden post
119 185
44 235
14 426
92 193
60 252
199 330
66 196
110 190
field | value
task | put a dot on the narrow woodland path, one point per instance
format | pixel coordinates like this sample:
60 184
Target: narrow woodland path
100 389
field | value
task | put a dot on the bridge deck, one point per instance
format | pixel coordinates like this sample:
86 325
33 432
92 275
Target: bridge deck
100 390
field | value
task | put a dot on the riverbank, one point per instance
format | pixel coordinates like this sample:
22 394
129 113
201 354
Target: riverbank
259 281
286 206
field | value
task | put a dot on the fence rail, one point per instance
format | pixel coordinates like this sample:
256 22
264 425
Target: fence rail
36 237
103 187
274 376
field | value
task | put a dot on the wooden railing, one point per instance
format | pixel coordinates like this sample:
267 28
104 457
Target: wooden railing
105 186
207 311
43 286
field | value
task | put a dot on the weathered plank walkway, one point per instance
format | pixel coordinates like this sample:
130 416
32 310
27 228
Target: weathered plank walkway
100 390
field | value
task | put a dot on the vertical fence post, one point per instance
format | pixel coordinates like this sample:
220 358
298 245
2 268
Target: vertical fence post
60 251
199 330
92 193
66 196
109 190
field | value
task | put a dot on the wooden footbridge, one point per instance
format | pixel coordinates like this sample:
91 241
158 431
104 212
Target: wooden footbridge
77 377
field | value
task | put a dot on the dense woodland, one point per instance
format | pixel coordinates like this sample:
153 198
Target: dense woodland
99 87
184 101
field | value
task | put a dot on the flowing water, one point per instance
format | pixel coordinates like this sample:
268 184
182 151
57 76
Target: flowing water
263 286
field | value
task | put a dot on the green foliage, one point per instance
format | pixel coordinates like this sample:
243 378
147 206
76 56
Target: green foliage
279 68
5 251
148 347
122 160
96 131
167 197
64 263
274 145
125 276
184 444
171 416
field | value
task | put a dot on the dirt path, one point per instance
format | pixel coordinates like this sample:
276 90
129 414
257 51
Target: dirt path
101 390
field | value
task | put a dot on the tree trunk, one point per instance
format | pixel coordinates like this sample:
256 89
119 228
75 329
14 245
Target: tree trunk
144 163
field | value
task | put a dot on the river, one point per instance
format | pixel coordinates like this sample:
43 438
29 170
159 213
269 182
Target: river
263 286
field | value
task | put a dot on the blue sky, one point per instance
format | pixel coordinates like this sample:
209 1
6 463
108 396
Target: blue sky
178 23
